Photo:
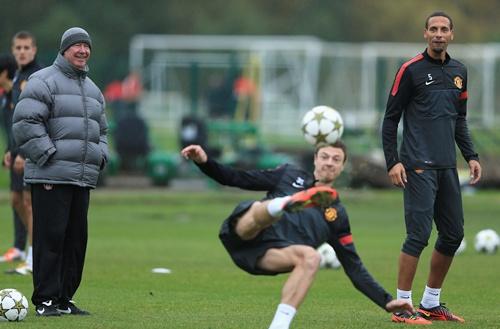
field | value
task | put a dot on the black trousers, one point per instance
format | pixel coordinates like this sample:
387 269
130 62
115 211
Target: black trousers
59 240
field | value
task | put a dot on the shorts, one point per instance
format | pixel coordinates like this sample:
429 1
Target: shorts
433 195
246 253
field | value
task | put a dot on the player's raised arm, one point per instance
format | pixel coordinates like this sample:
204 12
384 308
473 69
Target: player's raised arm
253 180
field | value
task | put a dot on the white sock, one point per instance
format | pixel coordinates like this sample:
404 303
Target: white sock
275 206
430 298
404 295
283 317
23 255
29 258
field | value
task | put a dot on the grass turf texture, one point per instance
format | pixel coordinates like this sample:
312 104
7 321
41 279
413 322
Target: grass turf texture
133 232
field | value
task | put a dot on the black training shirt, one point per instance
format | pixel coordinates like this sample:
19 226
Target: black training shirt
432 98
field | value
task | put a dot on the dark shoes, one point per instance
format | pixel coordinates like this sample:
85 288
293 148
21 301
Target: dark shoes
70 308
47 308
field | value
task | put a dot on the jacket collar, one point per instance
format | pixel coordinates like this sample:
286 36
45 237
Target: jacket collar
30 66
436 61
69 70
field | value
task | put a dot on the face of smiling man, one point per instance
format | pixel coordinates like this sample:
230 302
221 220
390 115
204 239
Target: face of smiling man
78 55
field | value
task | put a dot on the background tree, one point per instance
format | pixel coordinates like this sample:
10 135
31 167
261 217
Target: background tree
112 23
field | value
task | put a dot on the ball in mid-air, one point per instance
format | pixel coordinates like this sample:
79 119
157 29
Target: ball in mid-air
487 241
322 124
13 305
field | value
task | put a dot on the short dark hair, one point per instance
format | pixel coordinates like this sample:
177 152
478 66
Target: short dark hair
438 14
24 35
339 144
8 62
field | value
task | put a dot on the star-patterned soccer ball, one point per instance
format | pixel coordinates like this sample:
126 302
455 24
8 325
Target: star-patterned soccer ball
13 305
322 124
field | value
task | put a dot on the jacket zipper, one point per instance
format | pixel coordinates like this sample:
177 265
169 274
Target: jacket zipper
86 123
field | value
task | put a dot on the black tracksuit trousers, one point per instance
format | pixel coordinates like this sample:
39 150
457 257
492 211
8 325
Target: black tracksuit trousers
59 240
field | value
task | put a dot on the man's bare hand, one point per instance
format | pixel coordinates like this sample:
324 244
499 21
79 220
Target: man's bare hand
7 159
398 305
475 171
195 153
397 174
19 164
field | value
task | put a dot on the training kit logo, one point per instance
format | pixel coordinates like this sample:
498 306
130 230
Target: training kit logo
430 81
330 214
458 82
299 183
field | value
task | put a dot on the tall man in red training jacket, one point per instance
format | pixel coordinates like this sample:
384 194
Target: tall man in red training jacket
430 92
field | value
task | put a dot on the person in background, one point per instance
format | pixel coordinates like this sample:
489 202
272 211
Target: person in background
8 69
24 49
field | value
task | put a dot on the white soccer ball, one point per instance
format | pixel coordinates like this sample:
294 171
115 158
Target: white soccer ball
487 241
13 305
322 124
328 257
461 247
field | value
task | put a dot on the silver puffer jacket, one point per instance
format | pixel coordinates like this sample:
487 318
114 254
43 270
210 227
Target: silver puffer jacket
60 126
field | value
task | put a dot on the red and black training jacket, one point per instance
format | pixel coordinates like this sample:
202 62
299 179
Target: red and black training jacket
431 95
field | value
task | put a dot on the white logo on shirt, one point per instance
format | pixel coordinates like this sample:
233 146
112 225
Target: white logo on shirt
299 183
430 81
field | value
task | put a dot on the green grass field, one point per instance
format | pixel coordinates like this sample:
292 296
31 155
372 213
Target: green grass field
133 232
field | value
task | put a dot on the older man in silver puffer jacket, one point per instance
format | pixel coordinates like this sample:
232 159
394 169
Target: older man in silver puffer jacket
60 126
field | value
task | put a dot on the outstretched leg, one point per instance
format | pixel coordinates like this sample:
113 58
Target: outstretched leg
303 261
258 217
262 214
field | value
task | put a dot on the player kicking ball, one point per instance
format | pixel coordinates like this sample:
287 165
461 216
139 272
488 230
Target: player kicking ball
280 233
